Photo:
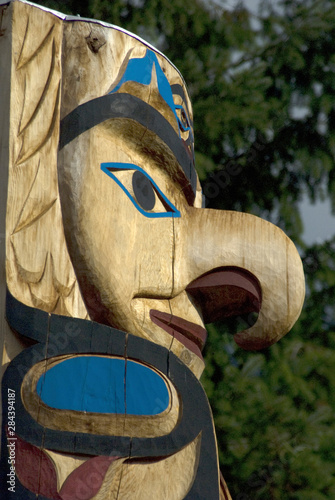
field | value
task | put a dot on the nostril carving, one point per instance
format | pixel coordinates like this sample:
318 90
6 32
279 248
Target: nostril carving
226 292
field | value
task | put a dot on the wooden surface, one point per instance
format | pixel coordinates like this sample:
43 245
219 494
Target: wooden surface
5 50
97 423
104 225
38 268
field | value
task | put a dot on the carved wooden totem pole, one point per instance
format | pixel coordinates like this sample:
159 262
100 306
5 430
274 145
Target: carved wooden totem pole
110 269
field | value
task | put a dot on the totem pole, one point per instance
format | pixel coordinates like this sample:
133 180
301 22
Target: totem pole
110 269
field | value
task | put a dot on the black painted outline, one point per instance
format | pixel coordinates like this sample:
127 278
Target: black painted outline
95 338
177 89
91 113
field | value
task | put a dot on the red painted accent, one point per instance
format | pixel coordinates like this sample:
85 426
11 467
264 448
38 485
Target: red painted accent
226 292
35 470
224 492
85 481
189 334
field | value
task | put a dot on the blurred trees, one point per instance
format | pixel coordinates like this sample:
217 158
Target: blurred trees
263 91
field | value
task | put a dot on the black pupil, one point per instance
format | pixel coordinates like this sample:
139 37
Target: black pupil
143 191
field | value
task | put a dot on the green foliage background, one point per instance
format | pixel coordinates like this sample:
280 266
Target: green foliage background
263 92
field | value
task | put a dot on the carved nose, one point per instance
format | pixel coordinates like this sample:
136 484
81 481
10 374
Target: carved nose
226 292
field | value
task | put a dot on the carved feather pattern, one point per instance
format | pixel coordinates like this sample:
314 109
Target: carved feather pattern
39 270
29 52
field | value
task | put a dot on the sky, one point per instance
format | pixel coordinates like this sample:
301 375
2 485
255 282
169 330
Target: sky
319 223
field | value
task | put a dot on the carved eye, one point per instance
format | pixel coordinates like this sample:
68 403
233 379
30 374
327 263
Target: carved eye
141 189
183 120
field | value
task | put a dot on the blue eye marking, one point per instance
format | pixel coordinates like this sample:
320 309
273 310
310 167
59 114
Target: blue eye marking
183 126
171 210
140 70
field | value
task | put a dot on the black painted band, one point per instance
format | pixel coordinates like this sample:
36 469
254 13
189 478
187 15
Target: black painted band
96 111
85 336
177 89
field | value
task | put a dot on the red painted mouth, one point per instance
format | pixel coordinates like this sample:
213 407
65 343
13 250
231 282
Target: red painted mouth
189 334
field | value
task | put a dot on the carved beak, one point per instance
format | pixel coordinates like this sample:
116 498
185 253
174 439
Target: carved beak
241 264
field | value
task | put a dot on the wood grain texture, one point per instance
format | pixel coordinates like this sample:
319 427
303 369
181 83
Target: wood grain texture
39 271
64 465
170 478
97 72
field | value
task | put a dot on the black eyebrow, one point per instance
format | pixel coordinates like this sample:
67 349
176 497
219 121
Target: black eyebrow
91 113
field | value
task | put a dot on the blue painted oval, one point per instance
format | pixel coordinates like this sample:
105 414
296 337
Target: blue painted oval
103 385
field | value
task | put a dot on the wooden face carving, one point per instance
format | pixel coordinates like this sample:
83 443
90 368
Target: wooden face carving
113 268
131 178
137 235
